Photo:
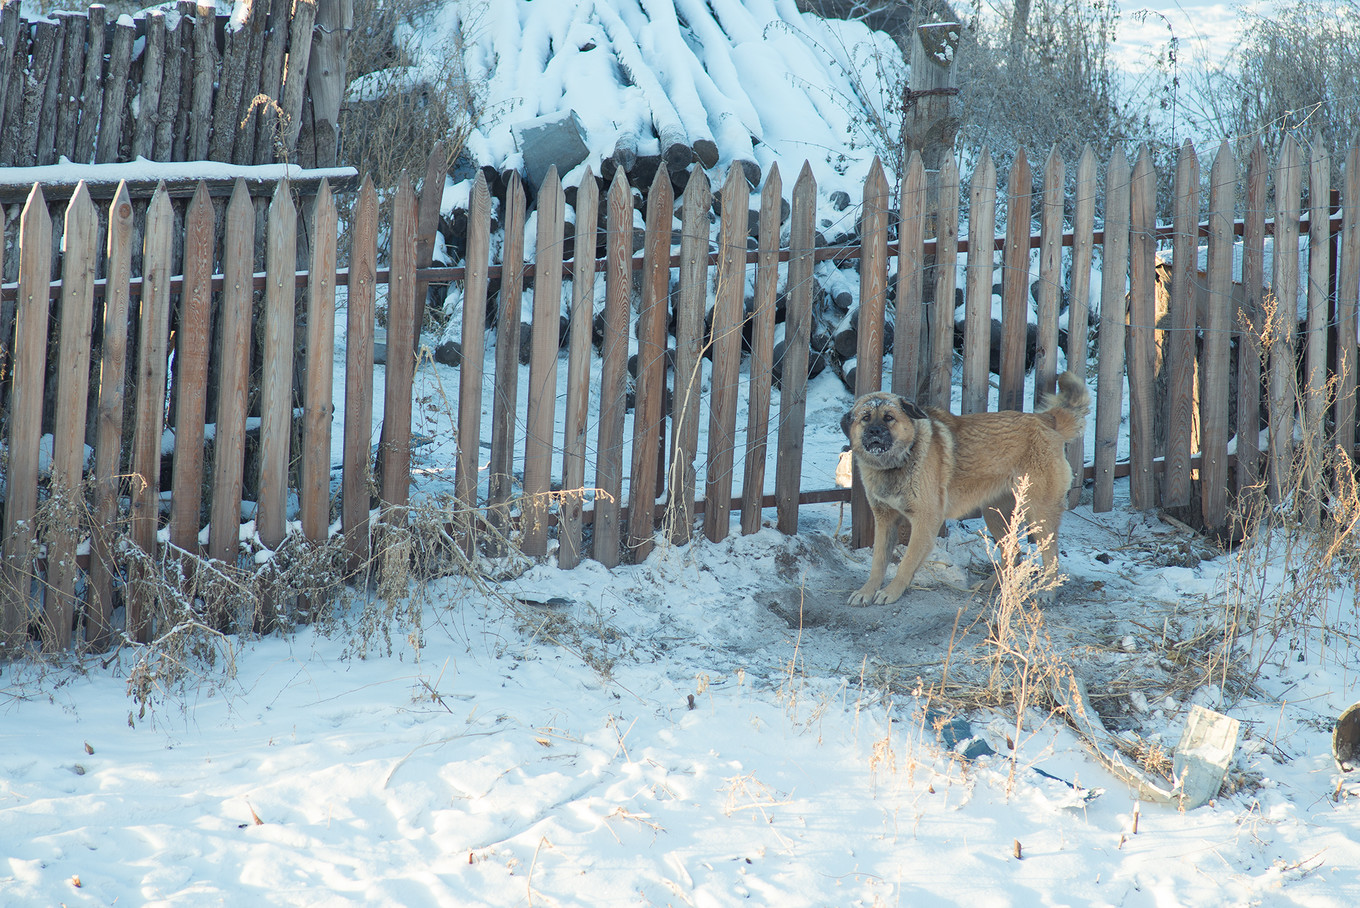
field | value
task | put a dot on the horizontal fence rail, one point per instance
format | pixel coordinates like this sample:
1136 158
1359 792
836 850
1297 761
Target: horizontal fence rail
235 364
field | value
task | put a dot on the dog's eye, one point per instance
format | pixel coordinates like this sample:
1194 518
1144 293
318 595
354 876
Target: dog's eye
887 417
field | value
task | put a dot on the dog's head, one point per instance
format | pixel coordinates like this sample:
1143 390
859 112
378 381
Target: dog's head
881 429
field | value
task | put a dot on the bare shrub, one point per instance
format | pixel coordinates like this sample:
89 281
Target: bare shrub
1295 72
1055 86
401 101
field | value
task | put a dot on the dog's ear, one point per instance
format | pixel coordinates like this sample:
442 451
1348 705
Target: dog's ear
845 422
910 408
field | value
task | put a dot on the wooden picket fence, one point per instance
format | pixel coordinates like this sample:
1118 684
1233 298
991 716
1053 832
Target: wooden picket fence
68 86
124 484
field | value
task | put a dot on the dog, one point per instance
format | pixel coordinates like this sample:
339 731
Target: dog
927 465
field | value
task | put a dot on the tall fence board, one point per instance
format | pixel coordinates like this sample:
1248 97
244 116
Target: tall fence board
209 377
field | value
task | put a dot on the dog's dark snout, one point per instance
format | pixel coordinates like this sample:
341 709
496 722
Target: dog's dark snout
877 432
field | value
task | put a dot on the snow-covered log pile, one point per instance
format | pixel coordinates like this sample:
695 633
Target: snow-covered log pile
679 82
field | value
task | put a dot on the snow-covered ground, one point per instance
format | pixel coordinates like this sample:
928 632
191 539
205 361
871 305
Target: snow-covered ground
712 727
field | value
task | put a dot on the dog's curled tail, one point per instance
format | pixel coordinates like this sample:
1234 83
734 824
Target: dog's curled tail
1069 406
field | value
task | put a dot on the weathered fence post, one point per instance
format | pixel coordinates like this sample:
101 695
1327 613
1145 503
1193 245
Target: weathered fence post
873 291
797 337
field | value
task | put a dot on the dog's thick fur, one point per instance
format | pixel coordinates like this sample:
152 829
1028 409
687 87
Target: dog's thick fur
927 466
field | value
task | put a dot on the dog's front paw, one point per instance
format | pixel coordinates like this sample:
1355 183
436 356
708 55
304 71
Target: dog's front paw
887 595
862 596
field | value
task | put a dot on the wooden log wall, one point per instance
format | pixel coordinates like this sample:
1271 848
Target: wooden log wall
201 87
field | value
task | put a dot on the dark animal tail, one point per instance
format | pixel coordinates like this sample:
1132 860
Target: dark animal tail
1068 408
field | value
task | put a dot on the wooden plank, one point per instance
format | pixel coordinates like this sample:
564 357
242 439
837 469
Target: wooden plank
541 418
9 40
1141 349
1079 297
1214 376
227 101
17 43
946 279
149 410
25 421
1249 333
649 388
276 376
109 422
234 338
202 113
360 301
51 111
873 287
689 338
1315 402
295 72
569 550
268 135
149 92
46 36
183 112
1182 380
168 109
613 370
110 130
910 281
504 397
427 224
1348 288
797 338
1114 318
1015 285
247 115
192 345
318 403
68 91
977 312
1283 380
68 448
395 480
1050 278
762 353
92 87
472 366
728 314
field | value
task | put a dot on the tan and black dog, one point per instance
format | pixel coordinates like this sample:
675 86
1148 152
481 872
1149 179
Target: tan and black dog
927 466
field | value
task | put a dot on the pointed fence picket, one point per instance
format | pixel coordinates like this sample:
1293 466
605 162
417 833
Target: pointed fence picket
1186 349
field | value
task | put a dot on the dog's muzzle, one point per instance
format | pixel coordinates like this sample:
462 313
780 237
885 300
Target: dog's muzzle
876 439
